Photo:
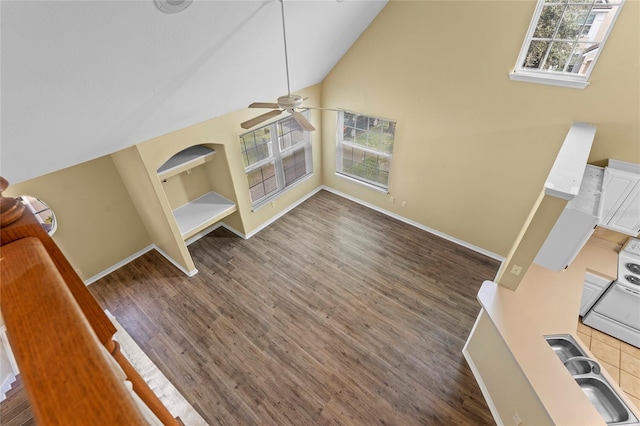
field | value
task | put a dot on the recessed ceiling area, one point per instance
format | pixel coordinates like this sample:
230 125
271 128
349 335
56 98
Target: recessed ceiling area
84 79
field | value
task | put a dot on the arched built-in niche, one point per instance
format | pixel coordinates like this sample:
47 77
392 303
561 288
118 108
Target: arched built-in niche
188 187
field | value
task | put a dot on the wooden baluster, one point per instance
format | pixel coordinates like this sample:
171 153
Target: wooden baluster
17 223
142 389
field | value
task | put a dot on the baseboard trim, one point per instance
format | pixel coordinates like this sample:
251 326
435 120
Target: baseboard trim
416 224
234 230
176 264
283 212
6 386
292 206
118 265
478 377
212 228
203 233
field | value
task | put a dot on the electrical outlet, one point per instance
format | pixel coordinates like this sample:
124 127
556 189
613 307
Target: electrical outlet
392 199
517 421
79 272
404 204
516 269
273 204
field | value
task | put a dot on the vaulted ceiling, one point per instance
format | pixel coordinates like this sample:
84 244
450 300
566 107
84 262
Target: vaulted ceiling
82 79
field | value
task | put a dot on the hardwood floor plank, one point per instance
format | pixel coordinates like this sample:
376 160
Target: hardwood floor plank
334 314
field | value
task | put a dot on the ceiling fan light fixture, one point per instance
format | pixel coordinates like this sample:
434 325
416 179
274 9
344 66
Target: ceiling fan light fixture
289 102
172 6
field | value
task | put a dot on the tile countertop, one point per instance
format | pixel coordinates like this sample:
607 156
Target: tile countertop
548 302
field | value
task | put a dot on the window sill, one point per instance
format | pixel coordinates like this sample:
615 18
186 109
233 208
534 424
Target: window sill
551 80
361 182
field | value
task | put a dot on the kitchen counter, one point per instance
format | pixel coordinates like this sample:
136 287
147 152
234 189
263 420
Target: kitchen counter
552 299
521 377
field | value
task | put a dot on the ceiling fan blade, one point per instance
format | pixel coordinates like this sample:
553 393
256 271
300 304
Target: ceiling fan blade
264 105
324 109
302 121
259 119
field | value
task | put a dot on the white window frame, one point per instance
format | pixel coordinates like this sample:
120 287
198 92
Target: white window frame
340 143
276 155
554 78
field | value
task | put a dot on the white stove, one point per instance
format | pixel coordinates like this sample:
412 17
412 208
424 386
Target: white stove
629 264
617 312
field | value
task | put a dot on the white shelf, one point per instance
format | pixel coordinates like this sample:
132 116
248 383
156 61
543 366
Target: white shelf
202 212
185 160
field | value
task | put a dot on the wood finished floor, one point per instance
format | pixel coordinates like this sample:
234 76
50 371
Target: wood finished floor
334 314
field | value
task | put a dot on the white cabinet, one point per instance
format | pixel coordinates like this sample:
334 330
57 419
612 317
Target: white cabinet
620 209
575 225
594 287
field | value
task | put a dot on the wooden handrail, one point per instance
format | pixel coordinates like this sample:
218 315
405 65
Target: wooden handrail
26 225
26 247
63 367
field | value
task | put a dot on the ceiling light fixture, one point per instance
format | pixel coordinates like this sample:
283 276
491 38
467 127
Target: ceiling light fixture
172 6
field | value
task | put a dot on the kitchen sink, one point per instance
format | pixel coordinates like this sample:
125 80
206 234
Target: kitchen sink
605 399
595 386
564 346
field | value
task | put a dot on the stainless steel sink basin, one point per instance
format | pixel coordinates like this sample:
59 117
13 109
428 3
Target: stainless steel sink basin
595 386
564 346
606 401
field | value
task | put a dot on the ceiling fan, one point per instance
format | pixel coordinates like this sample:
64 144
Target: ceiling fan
288 102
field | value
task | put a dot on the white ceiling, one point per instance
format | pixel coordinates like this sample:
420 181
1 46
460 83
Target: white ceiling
82 79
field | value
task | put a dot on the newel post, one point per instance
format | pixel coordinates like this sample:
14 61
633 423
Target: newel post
10 208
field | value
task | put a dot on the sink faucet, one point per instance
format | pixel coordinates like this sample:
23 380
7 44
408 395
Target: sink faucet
595 367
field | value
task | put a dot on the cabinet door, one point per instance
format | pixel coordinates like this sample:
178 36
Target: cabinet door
627 218
593 287
617 185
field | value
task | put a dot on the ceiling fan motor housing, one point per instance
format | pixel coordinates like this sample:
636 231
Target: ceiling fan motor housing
289 102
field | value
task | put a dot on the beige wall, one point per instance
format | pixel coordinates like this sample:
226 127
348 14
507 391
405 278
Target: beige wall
223 131
473 148
97 223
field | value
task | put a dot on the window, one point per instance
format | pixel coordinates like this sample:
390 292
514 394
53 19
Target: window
364 148
564 40
273 167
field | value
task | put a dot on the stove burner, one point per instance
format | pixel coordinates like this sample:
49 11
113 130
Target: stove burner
634 268
632 279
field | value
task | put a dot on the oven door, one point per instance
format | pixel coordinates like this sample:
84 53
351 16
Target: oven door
621 304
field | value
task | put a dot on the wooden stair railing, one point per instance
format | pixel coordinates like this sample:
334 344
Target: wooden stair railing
66 375
59 333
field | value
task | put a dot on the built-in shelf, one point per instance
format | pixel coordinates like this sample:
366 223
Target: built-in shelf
185 160
202 212
196 215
